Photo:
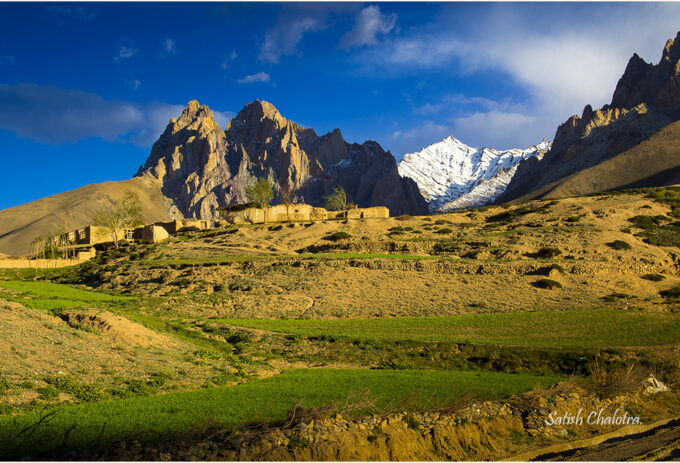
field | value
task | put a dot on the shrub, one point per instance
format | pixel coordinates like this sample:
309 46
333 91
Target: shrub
573 219
673 293
48 392
546 283
403 217
275 228
4 386
337 236
613 297
548 253
445 230
648 221
653 277
619 245
442 222
442 247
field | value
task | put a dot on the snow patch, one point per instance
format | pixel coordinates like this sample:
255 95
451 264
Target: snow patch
452 175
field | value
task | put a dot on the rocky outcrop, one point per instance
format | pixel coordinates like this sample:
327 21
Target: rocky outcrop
201 167
646 99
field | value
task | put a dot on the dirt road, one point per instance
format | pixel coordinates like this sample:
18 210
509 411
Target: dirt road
659 444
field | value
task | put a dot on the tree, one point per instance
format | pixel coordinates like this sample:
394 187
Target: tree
286 194
126 213
337 201
260 193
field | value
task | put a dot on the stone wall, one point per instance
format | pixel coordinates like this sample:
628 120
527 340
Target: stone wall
301 213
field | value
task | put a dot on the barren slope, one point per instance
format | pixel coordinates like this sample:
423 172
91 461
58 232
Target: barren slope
654 162
72 210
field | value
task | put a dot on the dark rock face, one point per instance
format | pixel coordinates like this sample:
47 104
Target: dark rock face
202 167
646 99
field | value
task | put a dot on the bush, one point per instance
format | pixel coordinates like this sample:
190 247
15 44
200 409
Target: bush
648 221
404 217
673 293
275 228
613 297
48 392
337 236
546 283
653 277
619 245
442 247
442 222
573 219
444 231
548 253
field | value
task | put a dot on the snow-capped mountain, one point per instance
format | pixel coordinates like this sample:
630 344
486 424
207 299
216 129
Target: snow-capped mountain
452 175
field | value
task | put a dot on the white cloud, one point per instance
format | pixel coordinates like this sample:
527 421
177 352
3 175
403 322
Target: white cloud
562 57
454 101
370 23
285 36
259 77
125 53
168 46
134 83
503 129
416 138
58 115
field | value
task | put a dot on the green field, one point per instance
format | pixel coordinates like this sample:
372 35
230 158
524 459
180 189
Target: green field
572 328
267 400
54 296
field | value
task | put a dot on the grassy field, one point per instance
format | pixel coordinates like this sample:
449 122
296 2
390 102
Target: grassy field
574 328
267 400
53 296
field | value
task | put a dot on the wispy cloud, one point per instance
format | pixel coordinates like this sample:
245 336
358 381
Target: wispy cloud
259 77
403 142
370 23
58 115
63 12
134 83
168 46
285 36
450 102
7 60
125 52
231 57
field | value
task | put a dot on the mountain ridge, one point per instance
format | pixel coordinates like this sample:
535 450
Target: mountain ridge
202 168
646 99
453 175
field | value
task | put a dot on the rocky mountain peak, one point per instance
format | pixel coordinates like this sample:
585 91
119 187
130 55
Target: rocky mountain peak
195 117
202 167
671 52
256 112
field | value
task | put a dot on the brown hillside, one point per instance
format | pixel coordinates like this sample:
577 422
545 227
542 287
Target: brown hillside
73 209
654 162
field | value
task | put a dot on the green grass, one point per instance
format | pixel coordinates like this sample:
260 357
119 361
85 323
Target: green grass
56 297
573 328
267 400
47 290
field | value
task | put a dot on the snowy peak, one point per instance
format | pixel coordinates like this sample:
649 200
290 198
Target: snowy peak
453 175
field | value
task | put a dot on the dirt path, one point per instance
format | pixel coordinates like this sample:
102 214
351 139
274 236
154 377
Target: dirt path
659 444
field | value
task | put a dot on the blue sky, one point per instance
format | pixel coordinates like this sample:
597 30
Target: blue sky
85 88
